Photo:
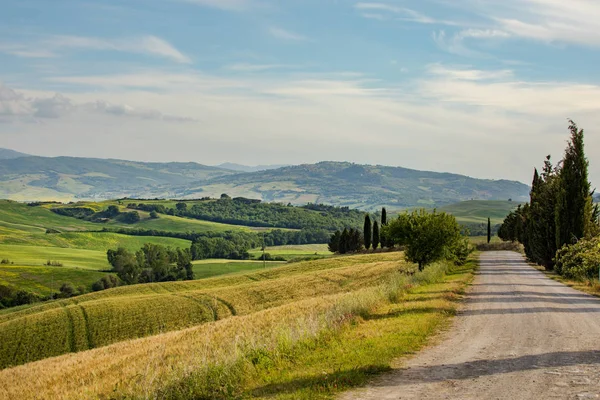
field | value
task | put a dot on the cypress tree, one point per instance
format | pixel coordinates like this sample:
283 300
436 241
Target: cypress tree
375 235
382 238
489 231
574 210
344 242
367 232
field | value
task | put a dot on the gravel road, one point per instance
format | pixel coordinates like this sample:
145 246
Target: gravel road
519 335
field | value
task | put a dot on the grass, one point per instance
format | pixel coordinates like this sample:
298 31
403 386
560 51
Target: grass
19 217
294 251
310 348
98 241
46 280
70 258
210 268
46 330
478 211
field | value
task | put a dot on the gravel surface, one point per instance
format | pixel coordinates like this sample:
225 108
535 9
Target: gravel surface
519 335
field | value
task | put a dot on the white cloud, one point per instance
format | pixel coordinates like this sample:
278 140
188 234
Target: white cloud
14 105
285 34
468 74
52 46
230 5
245 67
376 10
456 43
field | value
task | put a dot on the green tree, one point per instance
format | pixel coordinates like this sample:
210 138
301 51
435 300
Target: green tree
181 207
367 232
383 217
428 237
489 231
344 242
375 235
334 242
573 214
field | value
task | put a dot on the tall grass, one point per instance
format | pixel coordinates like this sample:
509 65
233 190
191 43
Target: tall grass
144 310
211 361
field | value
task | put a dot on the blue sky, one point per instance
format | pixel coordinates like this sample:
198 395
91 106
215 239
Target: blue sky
477 87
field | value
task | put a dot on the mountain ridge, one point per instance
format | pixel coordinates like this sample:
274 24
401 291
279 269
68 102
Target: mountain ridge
338 183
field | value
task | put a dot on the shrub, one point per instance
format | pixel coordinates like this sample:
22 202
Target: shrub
50 263
580 260
67 290
106 282
154 215
5 261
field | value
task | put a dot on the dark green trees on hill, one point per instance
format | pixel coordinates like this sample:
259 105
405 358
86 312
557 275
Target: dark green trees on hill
367 233
489 231
560 211
152 263
347 241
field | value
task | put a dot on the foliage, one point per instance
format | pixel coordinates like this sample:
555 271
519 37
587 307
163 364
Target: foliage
560 211
489 230
367 232
106 282
579 261
347 241
152 263
428 237
376 237
250 212
11 297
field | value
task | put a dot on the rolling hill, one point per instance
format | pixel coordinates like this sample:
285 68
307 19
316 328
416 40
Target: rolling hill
7 154
366 187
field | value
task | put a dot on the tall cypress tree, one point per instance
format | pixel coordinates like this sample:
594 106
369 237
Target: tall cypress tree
375 235
382 238
367 234
489 231
344 242
574 210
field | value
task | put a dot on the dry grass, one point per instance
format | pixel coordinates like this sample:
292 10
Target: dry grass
221 359
125 313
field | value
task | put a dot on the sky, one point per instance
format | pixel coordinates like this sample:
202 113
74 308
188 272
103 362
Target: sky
478 87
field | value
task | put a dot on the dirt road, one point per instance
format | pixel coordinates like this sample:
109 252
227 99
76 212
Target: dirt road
520 335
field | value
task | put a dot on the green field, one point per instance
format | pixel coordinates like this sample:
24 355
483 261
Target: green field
44 281
478 211
210 268
294 251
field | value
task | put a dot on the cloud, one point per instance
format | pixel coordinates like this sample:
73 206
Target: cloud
15 105
456 43
228 5
52 46
468 74
244 67
284 34
377 10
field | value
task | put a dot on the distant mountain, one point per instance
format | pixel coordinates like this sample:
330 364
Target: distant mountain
68 178
248 168
358 186
8 154
339 183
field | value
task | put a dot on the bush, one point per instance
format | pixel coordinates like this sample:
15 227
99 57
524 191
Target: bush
106 282
154 215
67 290
131 217
579 261
5 261
50 263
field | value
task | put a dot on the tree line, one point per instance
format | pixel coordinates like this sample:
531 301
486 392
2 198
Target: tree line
425 236
560 213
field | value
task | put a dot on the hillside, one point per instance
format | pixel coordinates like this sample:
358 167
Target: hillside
248 168
359 186
8 154
67 178
338 183
474 211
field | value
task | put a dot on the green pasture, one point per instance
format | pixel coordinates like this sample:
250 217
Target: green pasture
209 268
478 211
294 251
